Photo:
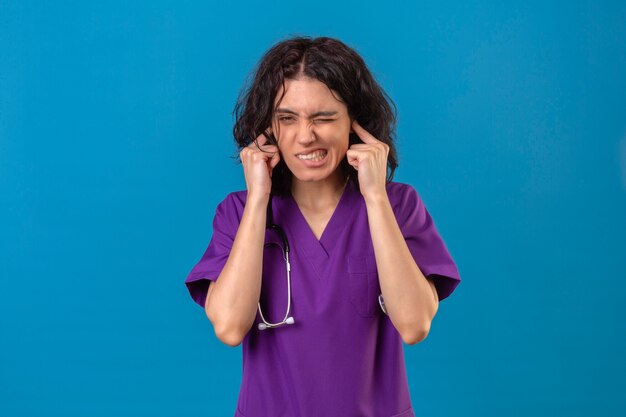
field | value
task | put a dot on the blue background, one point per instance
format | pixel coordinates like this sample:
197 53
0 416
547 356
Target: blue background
115 145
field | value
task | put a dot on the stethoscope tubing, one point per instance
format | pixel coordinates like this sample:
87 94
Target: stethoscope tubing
271 225
288 319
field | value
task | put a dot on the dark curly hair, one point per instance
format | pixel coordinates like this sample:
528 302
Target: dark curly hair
333 63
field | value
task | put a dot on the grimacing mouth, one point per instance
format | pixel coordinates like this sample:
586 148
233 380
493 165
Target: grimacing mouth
313 156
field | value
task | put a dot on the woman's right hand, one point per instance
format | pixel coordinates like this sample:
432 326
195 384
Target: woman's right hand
258 165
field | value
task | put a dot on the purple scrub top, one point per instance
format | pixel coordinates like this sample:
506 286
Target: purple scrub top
342 357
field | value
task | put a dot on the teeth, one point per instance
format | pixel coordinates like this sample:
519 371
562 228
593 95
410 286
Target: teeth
315 156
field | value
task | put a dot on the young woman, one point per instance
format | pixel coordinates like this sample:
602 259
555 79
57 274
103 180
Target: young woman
323 302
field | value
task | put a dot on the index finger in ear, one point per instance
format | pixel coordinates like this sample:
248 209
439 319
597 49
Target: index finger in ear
362 133
263 138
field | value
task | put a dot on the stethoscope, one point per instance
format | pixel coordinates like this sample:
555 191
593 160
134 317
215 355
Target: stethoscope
270 225
288 319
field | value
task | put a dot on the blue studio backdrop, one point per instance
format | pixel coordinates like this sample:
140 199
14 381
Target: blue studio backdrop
116 146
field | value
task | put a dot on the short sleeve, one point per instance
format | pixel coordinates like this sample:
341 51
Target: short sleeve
210 265
425 244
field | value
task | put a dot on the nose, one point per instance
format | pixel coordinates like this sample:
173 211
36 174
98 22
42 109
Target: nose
306 135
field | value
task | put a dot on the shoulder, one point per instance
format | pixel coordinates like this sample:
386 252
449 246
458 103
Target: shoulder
405 201
401 194
232 205
236 197
398 187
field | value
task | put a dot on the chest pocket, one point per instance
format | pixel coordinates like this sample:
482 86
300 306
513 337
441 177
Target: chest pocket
364 287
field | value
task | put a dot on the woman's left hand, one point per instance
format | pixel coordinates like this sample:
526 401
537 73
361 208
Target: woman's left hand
370 160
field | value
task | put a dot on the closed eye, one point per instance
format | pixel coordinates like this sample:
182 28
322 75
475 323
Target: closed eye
291 118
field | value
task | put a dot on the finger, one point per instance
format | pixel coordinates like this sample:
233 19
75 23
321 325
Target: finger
263 148
267 148
271 152
362 133
250 154
275 159
361 146
263 138
353 158
266 135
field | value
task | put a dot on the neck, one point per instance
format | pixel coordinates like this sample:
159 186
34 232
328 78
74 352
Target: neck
317 195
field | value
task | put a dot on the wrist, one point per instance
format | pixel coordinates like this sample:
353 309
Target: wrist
376 198
257 199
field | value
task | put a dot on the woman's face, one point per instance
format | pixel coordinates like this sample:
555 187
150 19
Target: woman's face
312 128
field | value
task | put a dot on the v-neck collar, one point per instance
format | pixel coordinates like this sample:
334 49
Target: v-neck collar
319 251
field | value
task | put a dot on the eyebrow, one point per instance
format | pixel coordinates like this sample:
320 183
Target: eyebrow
319 113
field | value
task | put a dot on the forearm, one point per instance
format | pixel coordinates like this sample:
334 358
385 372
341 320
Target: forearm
233 303
410 299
